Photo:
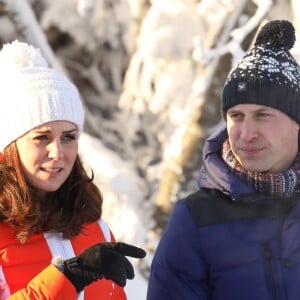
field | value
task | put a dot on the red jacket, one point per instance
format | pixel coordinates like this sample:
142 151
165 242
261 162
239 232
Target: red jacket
26 271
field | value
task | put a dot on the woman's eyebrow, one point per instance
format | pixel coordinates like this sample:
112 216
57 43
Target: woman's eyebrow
70 130
46 130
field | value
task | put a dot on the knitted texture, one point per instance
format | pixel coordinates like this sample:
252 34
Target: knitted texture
268 74
32 93
283 184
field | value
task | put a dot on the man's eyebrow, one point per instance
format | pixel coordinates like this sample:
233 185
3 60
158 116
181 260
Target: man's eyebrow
233 110
263 109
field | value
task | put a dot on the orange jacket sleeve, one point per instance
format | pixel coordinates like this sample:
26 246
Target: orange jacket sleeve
48 284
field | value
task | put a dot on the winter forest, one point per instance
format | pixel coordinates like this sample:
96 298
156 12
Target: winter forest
150 74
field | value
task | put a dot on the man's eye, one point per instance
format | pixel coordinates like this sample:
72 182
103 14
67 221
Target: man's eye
235 116
264 114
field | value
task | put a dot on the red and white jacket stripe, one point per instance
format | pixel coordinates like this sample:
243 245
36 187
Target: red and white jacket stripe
26 271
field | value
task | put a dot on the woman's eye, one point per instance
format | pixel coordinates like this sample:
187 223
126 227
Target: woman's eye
70 137
41 137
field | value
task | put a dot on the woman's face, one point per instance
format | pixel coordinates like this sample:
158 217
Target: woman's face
48 153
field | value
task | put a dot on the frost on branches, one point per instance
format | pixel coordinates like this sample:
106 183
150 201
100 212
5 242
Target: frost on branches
150 74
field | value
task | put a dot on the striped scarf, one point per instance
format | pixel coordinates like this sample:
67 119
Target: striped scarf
280 184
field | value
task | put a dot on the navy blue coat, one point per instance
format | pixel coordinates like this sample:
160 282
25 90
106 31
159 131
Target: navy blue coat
226 242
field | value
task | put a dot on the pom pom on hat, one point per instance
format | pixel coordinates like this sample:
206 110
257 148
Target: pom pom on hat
268 74
21 55
32 93
278 33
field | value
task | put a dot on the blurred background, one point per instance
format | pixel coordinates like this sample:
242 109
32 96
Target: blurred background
150 73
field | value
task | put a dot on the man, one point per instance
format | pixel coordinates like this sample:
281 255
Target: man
238 237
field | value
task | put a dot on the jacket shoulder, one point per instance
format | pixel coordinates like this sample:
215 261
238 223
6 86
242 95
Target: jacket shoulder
209 206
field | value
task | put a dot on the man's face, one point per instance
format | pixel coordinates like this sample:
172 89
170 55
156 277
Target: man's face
263 139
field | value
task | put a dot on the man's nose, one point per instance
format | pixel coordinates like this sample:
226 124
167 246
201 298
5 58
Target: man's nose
249 130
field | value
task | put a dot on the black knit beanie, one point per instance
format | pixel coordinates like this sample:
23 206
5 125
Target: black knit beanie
268 74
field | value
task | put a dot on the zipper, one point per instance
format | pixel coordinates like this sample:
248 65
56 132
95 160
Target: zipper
269 270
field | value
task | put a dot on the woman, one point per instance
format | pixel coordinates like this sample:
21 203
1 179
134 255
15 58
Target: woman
53 243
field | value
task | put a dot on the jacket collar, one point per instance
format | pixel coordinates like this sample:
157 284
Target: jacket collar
215 174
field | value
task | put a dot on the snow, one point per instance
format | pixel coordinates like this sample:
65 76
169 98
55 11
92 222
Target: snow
136 289
172 55
123 209
174 58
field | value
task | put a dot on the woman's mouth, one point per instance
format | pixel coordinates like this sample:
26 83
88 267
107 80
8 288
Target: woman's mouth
52 170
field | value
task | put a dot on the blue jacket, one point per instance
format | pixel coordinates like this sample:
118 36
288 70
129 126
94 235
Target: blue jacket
226 242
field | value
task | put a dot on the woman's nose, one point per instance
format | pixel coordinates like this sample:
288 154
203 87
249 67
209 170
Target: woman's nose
55 150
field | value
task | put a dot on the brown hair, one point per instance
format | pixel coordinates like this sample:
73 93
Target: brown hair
76 202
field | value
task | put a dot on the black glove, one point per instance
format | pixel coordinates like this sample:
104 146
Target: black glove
103 260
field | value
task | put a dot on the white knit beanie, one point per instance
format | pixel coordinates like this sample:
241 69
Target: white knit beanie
32 93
